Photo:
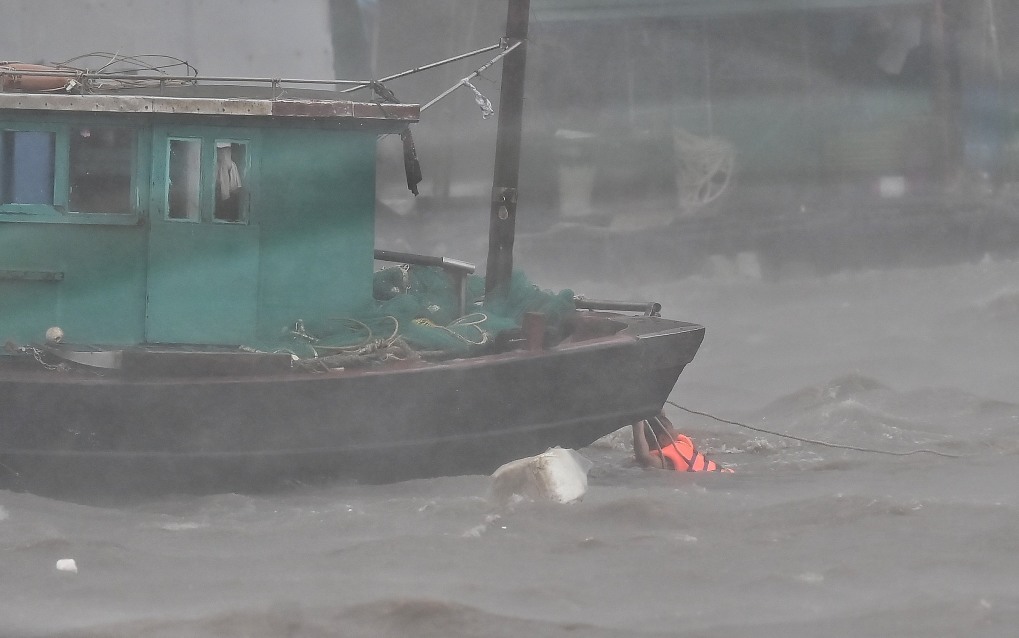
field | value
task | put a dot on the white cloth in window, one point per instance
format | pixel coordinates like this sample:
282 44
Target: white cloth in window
228 177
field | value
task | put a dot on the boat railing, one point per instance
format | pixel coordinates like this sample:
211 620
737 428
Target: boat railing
649 308
71 79
78 79
160 77
23 78
456 268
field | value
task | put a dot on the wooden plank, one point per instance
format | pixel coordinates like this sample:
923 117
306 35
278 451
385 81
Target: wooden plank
201 363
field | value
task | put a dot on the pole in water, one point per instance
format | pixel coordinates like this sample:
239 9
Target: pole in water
502 223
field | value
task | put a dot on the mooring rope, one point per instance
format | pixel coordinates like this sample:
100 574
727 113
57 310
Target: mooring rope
841 446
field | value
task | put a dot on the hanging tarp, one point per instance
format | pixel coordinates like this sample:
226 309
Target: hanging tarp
549 10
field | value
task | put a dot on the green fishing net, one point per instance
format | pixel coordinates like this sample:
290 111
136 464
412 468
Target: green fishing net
416 312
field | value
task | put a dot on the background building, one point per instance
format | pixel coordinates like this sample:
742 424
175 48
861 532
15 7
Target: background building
821 104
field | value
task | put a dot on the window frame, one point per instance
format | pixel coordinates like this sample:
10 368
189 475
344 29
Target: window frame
244 215
208 136
61 160
59 211
165 174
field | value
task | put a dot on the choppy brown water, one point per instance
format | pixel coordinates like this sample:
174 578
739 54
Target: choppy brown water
803 540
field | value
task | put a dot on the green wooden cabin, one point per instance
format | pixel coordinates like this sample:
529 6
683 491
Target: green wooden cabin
198 216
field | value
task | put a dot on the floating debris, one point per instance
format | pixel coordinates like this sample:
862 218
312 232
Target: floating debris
67 565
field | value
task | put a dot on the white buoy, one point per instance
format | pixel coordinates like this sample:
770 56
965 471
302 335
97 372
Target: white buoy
67 565
54 334
558 475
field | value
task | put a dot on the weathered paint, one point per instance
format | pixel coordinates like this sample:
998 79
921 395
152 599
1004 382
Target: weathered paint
303 251
317 232
100 298
283 107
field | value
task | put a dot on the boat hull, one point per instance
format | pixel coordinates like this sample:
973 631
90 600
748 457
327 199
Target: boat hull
74 434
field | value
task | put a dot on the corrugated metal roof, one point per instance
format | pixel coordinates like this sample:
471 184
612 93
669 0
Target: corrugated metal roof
548 10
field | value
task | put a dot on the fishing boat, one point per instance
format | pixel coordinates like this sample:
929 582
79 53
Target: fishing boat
191 299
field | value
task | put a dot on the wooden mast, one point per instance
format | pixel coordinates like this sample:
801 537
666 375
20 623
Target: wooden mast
507 152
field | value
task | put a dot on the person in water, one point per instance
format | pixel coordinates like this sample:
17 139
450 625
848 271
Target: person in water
669 450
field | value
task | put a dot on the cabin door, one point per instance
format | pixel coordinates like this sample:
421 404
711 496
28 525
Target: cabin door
203 246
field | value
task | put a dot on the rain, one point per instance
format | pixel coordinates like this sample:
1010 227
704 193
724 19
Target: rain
829 187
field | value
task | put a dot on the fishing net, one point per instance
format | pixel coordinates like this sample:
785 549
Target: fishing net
416 313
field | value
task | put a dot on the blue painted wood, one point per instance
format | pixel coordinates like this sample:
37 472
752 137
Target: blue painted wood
31 164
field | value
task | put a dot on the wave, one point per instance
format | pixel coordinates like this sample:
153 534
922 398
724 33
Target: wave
388 618
1003 306
904 617
837 390
860 410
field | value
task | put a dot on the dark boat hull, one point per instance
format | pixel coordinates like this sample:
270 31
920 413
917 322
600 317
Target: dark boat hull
79 434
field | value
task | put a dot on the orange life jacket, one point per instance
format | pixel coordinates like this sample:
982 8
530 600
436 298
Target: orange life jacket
685 458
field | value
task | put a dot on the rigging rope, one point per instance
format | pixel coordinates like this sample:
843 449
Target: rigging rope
483 102
467 80
425 67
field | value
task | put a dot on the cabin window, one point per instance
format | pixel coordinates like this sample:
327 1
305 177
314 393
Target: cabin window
185 179
67 172
207 179
27 167
231 175
100 170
